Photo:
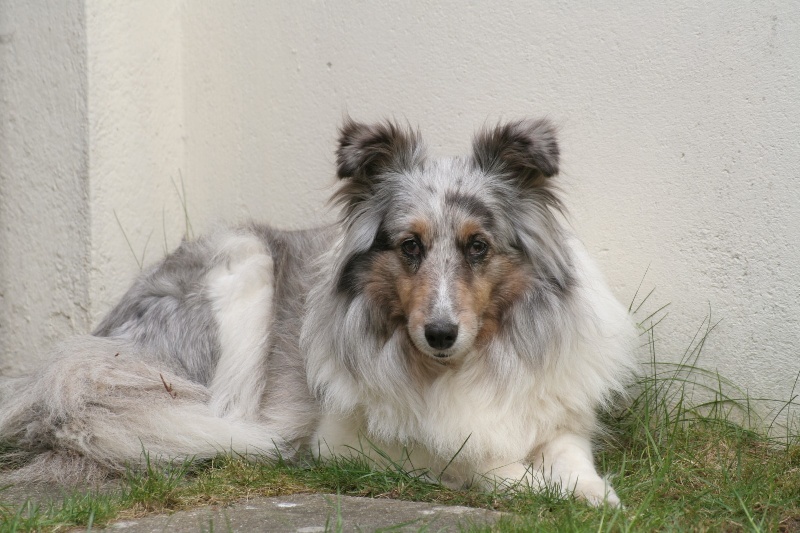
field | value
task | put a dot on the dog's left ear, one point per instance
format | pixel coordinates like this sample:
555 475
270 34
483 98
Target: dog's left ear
526 150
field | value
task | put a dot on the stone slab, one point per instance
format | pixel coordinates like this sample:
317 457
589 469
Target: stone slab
312 513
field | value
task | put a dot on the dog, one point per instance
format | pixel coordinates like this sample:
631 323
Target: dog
449 322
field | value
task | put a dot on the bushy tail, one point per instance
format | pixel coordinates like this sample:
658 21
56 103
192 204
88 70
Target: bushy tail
100 404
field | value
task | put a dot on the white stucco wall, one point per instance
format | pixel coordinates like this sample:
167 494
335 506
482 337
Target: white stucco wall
679 124
91 131
136 143
44 190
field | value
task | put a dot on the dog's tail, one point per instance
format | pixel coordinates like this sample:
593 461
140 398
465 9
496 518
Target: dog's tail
101 406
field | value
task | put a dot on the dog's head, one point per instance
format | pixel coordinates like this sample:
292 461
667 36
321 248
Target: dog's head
442 249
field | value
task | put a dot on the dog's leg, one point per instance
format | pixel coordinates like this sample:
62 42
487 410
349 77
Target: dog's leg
338 435
342 436
240 289
566 462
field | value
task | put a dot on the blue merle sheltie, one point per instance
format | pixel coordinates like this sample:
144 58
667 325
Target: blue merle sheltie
449 321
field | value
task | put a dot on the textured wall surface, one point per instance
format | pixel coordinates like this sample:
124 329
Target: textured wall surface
136 140
44 191
679 127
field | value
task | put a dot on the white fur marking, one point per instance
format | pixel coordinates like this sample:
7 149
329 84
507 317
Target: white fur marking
241 291
444 303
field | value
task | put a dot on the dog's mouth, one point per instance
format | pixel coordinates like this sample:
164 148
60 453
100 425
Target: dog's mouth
441 355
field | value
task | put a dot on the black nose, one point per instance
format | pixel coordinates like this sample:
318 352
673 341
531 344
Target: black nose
441 335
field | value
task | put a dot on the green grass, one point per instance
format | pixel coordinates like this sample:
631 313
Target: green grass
687 451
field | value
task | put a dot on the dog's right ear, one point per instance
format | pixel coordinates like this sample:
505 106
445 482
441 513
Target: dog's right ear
366 151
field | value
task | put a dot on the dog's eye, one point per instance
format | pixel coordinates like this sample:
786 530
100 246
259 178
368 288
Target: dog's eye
477 249
411 248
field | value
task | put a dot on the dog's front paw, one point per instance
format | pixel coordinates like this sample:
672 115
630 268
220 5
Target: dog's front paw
597 492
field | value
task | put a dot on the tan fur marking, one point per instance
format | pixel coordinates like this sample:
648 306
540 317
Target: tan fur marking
468 230
423 229
492 291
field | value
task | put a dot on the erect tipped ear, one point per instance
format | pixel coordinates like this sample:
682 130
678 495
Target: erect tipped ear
526 149
366 150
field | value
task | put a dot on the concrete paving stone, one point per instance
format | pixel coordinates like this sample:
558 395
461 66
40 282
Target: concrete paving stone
311 513
17 494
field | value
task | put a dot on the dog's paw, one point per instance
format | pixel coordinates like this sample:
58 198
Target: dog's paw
597 492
